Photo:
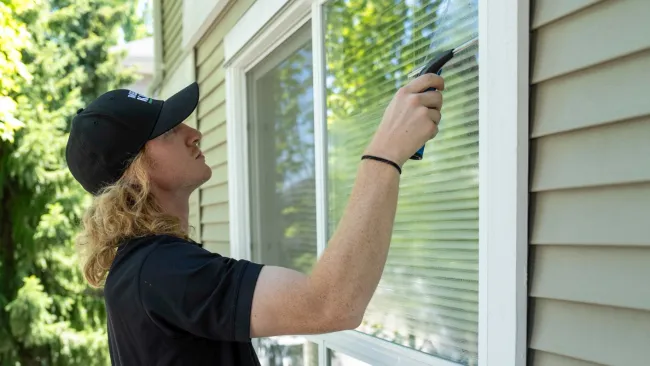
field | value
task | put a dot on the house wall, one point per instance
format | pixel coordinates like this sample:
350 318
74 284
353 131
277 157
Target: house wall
211 113
172 33
590 183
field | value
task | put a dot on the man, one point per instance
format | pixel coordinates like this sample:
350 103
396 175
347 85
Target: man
171 302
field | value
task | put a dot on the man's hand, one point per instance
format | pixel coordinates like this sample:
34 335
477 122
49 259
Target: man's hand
410 120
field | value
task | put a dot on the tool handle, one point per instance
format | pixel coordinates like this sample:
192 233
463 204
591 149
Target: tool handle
420 153
436 64
433 67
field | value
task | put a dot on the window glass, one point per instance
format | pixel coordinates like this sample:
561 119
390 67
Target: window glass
281 156
286 351
341 359
427 299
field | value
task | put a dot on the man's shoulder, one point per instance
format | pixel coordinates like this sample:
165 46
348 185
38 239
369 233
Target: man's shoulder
157 242
134 252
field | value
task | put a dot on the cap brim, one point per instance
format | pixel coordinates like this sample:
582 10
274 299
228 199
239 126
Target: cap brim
176 109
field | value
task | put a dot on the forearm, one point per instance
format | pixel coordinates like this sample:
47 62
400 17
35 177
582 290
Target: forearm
351 266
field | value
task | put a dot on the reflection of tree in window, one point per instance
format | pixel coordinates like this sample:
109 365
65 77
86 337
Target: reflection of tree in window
428 296
285 115
287 351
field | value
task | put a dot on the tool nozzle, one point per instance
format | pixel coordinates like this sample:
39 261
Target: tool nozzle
454 51
465 45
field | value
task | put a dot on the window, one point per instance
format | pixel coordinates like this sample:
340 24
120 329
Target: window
428 296
340 359
281 173
281 152
307 83
287 351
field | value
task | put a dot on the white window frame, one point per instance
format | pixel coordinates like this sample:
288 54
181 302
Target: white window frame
503 169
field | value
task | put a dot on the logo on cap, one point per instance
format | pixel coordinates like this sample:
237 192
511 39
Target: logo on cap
140 97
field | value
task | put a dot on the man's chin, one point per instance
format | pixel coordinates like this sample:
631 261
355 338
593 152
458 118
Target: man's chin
207 174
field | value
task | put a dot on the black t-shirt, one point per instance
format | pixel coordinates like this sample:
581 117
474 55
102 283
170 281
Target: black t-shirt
171 302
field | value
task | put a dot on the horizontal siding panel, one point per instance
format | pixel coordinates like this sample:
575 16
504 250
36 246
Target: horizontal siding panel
214 136
212 100
209 47
601 334
216 79
217 213
219 247
175 48
216 232
217 194
191 219
219 176
221 27
171 41
221 160
546 11
606 276
211 64
194 209
593 216
216 155
601 155
168 5
172 29
173 20
584 39
614 92
192 121
214 118
541 358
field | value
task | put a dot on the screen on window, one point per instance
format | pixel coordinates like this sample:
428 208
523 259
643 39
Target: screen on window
427 299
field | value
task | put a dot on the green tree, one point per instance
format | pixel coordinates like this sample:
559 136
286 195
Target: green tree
60 62
12 68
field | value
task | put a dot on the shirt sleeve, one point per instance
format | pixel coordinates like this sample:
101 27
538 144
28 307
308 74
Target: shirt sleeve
187 289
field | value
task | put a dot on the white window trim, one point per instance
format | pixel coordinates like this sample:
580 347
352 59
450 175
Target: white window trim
503 169
261 16
503 175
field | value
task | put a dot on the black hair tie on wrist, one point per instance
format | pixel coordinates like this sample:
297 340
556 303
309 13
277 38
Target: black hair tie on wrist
383 161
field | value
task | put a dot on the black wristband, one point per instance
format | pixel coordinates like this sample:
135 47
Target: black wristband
383 161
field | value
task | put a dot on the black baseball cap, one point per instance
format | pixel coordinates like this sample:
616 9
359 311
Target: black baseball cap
108 133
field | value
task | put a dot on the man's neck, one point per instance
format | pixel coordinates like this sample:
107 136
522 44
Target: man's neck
174 203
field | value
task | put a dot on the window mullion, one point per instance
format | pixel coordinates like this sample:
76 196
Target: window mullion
320 127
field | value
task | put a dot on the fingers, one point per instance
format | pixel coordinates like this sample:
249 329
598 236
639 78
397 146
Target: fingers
434 115
424 82
434 132
431 99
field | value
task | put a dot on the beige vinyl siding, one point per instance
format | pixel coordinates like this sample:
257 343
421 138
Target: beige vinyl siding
211 114
172 34
590 183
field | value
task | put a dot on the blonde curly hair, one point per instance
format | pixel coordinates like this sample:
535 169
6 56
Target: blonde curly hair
124 210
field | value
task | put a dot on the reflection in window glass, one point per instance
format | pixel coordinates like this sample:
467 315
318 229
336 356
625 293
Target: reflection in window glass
281 143
340 359
427 299
286 351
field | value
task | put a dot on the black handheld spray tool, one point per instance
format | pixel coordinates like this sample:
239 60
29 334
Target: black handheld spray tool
435 67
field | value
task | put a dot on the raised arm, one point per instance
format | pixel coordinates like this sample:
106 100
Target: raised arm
335 296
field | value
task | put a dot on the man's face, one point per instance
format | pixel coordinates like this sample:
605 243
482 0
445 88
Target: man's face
178 164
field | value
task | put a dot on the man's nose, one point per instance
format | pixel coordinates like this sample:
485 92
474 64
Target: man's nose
195 136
